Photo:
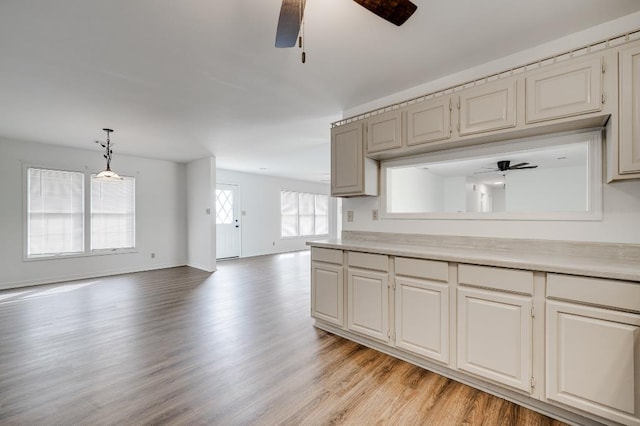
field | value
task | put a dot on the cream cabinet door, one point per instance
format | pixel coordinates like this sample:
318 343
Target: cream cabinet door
422 317
593 360
488 107
347 157
563 90
384 131
368 303
629 138
327 293
494 336
429 121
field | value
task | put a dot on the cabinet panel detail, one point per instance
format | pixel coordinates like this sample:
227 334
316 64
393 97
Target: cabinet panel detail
384 131
564 90
488 107
327 293
429 121
368 302
629 137
593 360
422 318
494 336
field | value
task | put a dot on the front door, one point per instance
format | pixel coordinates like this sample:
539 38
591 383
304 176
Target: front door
227 221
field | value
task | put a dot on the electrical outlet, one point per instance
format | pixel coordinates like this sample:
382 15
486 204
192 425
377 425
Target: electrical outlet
350 216
153 255
374 214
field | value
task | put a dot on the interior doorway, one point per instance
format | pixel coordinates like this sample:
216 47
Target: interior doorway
227 221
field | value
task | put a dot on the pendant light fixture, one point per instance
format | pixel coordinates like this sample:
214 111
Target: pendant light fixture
107 175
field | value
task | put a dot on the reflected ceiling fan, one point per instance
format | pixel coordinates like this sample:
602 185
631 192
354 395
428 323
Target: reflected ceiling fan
292 12
505 165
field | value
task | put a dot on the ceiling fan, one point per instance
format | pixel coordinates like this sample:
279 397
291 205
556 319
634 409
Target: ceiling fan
505 165
292 12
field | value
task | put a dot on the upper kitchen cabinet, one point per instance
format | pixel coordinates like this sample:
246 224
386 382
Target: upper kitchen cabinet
489 107
629 87
351 173
384 131
429 121
569 88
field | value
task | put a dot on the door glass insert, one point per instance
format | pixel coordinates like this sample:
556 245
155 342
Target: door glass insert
224 207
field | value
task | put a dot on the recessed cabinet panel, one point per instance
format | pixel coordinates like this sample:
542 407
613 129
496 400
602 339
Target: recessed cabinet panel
422 318
563 90
384 131
593 360
429 121
629 138
488 107
347 159
494 336
368 302
327 293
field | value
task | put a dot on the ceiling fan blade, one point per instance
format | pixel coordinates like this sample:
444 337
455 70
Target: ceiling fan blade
291 13
518 165
524 167
394 11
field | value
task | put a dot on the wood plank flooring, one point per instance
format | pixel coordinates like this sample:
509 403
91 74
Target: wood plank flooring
237 347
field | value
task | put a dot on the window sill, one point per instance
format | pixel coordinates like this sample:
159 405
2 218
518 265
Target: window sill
94 253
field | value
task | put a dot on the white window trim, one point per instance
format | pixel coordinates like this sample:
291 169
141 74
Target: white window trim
87 218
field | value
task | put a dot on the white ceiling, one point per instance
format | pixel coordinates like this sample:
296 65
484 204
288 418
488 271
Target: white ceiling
180 80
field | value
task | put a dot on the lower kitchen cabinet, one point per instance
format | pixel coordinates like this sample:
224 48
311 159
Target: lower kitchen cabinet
327 293
593 360
478 323
494 336
327 285
422 317
368 303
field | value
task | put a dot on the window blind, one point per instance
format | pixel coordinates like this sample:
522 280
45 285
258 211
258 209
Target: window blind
113 214
55 206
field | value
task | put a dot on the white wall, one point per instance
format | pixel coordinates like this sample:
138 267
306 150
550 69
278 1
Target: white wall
621 213
201 224
415 190
538 190
160 212
260 204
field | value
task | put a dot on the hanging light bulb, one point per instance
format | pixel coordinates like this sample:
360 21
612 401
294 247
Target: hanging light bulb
107 175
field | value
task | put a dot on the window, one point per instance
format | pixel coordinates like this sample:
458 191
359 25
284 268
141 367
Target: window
304 214
56 210
113 214
554 177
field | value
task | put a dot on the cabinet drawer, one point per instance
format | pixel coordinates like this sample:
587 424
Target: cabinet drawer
503 279
419 268
320 254
377 262
596 291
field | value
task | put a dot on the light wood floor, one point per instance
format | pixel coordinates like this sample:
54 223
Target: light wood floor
237 347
